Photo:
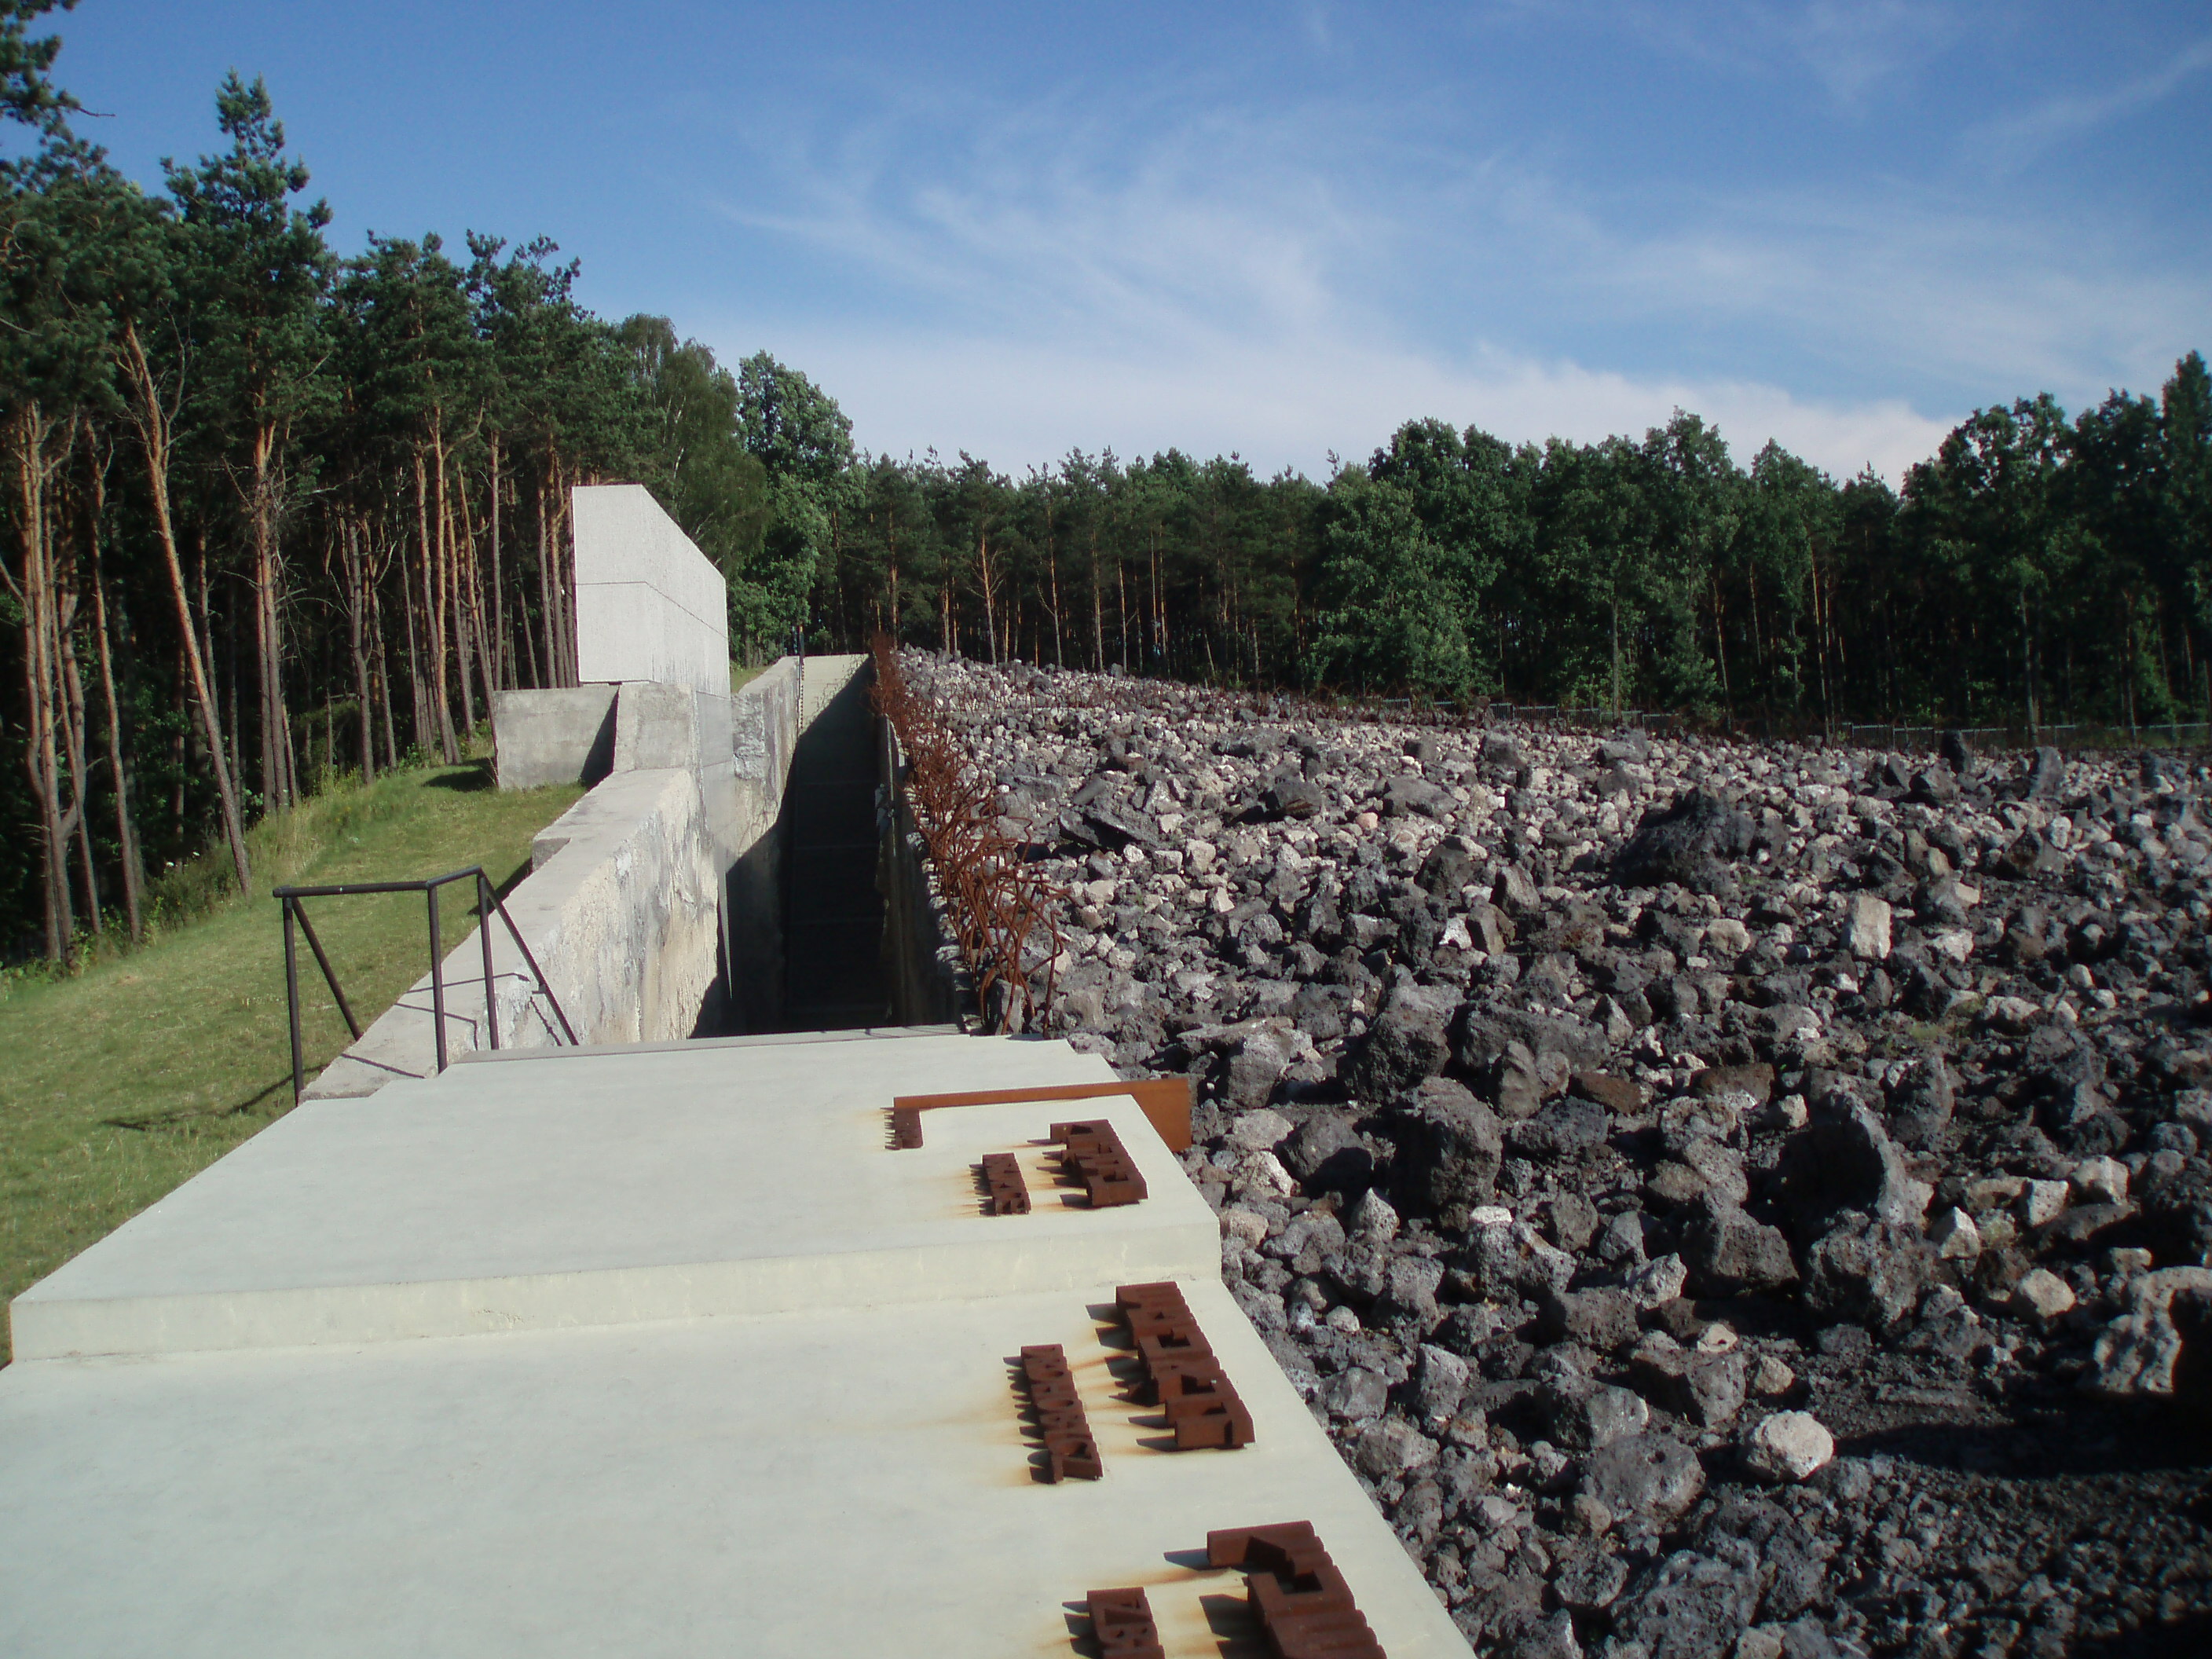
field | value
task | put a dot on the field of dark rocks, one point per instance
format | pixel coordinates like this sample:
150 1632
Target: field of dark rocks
1723 1198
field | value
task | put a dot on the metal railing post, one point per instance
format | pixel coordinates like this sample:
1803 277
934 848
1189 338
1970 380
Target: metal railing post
437 978
483 933
291 1004
487 901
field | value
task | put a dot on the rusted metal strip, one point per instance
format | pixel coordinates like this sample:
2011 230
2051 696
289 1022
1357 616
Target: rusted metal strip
1001 907
1166 1101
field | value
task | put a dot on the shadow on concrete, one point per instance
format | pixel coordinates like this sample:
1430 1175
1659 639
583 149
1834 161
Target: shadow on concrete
833 913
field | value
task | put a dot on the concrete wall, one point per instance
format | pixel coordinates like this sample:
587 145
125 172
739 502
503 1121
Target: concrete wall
764 735
563 736
654 903
649 604
621 910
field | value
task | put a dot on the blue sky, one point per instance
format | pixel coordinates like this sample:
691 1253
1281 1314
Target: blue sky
1281 229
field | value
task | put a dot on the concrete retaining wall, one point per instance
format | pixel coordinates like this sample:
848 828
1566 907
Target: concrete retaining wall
623 911
654 903
562 736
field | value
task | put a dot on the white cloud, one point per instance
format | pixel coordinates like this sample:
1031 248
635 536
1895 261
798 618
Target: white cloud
1282 404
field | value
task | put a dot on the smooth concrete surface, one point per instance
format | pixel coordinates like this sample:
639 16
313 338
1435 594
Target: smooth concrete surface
649 604
561 736
795 1487
623 912
628 1188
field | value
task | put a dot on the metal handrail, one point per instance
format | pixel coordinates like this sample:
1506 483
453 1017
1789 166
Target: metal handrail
488 901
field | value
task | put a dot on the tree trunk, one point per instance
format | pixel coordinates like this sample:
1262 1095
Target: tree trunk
126 828
152 421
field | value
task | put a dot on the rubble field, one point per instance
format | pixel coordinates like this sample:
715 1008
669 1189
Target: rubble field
1723 1198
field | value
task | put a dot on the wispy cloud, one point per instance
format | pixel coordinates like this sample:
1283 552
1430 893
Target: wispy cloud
1850 47
2013 141
1181 269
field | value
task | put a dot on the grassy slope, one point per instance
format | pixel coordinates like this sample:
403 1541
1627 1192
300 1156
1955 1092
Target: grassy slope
119 1084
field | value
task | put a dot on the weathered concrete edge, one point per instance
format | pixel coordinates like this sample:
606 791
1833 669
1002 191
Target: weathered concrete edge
755 1287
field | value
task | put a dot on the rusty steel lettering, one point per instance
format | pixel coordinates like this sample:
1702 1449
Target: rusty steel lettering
1093 1154
1300 1600
1007 1193
1181 1375
1070 1449
1121 1619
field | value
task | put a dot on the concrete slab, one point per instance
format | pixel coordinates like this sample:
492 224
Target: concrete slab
649 604
805 1485
561 1192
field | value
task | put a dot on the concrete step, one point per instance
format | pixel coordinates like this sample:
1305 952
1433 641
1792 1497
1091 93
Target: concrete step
613 1188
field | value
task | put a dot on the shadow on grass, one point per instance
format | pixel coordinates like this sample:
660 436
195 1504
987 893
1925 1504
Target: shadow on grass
471 777
151 1122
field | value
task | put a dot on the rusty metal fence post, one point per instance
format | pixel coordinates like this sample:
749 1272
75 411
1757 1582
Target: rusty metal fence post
997 901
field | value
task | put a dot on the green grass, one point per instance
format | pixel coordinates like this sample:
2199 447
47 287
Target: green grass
131 1076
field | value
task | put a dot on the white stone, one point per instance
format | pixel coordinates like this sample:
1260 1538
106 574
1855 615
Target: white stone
1727 938
2043 1294
1260 1130
548 1188
2101 1181
1657 1283
2013 1014
1955 1235
1955 944
1238 1222
1866 925
622 1491
1991 1191
2042 1202
1488 1215
1789 1446
1373 1216
1263 1173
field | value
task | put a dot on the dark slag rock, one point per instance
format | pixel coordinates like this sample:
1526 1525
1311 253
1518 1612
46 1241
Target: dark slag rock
1690 842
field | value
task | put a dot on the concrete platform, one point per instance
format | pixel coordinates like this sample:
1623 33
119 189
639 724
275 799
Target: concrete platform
559 1191
851 1483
